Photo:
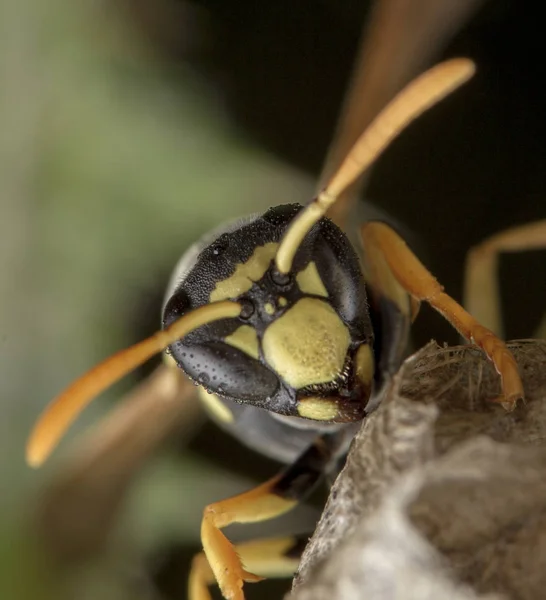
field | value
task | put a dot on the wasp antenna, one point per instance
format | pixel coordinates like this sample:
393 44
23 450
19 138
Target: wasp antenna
419 95
63 410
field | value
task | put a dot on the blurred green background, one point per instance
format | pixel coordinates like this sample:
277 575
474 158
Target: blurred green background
127 130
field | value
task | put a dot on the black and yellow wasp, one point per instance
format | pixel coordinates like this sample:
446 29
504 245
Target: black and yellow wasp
291 329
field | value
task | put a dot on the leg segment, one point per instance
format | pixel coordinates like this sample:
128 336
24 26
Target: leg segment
271 499
392 312
481 286
270 557
411 276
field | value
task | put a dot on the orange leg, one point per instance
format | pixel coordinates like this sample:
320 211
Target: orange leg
259 504
270 557
481 295
393 309
271 499
409 275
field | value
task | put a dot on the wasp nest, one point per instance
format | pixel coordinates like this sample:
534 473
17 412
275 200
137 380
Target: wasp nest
444 492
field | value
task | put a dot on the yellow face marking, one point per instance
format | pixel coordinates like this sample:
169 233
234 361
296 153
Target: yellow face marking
269 308
318 409
245 274
214 406
169 360
282 301
364 365
308 344
309 281
245 338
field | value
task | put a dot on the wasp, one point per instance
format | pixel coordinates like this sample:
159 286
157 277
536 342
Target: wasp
291 330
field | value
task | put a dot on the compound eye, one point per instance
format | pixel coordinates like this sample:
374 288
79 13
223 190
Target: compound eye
225 370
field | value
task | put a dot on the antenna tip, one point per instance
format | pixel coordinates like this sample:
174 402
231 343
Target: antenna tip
34 456
463 67
37 450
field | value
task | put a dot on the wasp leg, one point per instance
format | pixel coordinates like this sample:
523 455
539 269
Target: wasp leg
481 285
270 557
393 310
409 275
271 499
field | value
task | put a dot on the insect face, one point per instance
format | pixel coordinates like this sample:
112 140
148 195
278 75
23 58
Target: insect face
301 345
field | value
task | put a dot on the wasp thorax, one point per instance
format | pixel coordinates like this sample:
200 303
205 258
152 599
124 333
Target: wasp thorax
297 346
